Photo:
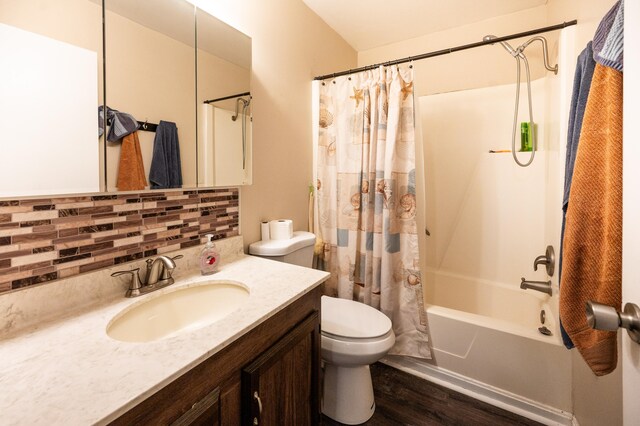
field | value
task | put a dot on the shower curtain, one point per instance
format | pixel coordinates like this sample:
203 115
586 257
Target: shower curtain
366 199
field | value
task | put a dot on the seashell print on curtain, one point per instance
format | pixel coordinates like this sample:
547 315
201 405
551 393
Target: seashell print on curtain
367 199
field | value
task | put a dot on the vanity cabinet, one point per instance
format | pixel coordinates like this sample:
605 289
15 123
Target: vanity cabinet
270 375
278 387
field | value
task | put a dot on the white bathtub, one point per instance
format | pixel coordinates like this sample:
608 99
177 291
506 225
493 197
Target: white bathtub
488 332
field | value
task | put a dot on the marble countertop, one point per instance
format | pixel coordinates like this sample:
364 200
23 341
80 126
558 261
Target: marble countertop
68 371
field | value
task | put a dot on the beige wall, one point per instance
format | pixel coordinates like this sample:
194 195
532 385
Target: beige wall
290 46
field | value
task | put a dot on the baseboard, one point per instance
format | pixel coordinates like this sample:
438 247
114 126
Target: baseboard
483 392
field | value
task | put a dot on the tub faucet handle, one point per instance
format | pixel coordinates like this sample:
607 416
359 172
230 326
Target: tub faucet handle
548 260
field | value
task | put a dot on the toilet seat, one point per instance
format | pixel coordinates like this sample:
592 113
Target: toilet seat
344 319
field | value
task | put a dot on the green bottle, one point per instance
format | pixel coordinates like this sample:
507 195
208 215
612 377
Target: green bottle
526 138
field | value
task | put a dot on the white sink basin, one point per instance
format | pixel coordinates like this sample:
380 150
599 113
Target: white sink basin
179 310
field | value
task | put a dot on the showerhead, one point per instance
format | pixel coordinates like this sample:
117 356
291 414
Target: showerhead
513 52
245 105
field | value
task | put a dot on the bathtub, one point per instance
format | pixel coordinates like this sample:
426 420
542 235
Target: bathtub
502 307
485 336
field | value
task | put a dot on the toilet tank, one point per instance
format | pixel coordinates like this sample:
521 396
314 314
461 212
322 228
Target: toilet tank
297 250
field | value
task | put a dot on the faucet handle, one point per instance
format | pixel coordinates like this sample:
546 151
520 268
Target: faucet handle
548 260
135 284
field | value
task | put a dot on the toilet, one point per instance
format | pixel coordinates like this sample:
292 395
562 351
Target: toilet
353 336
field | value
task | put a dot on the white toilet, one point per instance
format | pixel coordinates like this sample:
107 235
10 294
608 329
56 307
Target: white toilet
354 335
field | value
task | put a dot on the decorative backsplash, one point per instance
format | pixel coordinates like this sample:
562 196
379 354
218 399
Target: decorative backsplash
46 239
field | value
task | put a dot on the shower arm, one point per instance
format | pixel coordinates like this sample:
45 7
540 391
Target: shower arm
244 105
545 52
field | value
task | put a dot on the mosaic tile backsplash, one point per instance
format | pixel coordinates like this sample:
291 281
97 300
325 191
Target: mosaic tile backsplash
45 239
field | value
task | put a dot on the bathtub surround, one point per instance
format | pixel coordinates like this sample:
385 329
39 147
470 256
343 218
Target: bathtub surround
367 198
489 220
46 239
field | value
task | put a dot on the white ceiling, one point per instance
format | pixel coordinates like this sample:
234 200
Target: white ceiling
366 24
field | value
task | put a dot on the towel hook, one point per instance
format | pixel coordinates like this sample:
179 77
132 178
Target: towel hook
144 125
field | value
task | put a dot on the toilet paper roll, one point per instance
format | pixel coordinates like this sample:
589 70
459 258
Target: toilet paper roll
264 231
281 229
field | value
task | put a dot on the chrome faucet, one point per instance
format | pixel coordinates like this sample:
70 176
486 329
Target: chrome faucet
159 275
542 286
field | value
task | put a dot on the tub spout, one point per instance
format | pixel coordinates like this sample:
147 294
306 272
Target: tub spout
542 286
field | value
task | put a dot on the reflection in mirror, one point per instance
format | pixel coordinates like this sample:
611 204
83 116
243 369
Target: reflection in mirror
151 76
224 103
50 89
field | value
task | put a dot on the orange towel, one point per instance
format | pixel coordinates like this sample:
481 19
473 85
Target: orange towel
592 246
131 175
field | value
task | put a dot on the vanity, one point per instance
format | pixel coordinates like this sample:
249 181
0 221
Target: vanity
259 364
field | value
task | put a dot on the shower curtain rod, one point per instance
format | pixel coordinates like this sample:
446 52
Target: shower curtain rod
450 50
227 97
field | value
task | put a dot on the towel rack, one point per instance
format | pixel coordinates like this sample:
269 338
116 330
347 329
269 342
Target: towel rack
147 127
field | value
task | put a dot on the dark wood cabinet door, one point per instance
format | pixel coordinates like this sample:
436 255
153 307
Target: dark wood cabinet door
281 387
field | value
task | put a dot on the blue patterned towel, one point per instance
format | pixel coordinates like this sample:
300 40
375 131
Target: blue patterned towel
608 41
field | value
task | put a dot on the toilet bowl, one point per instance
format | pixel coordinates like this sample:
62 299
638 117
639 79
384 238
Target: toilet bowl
353 336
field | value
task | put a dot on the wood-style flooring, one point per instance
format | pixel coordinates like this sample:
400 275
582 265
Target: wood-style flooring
404 399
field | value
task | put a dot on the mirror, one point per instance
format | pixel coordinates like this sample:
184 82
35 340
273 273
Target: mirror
49 105
50 86
224 104
150 74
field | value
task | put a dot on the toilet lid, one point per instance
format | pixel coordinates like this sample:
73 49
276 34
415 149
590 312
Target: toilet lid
346 318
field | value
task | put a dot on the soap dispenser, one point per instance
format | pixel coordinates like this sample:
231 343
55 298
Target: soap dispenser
209 257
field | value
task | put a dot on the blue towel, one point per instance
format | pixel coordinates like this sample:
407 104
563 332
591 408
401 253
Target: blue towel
121 124
581 86
166 169
608 41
